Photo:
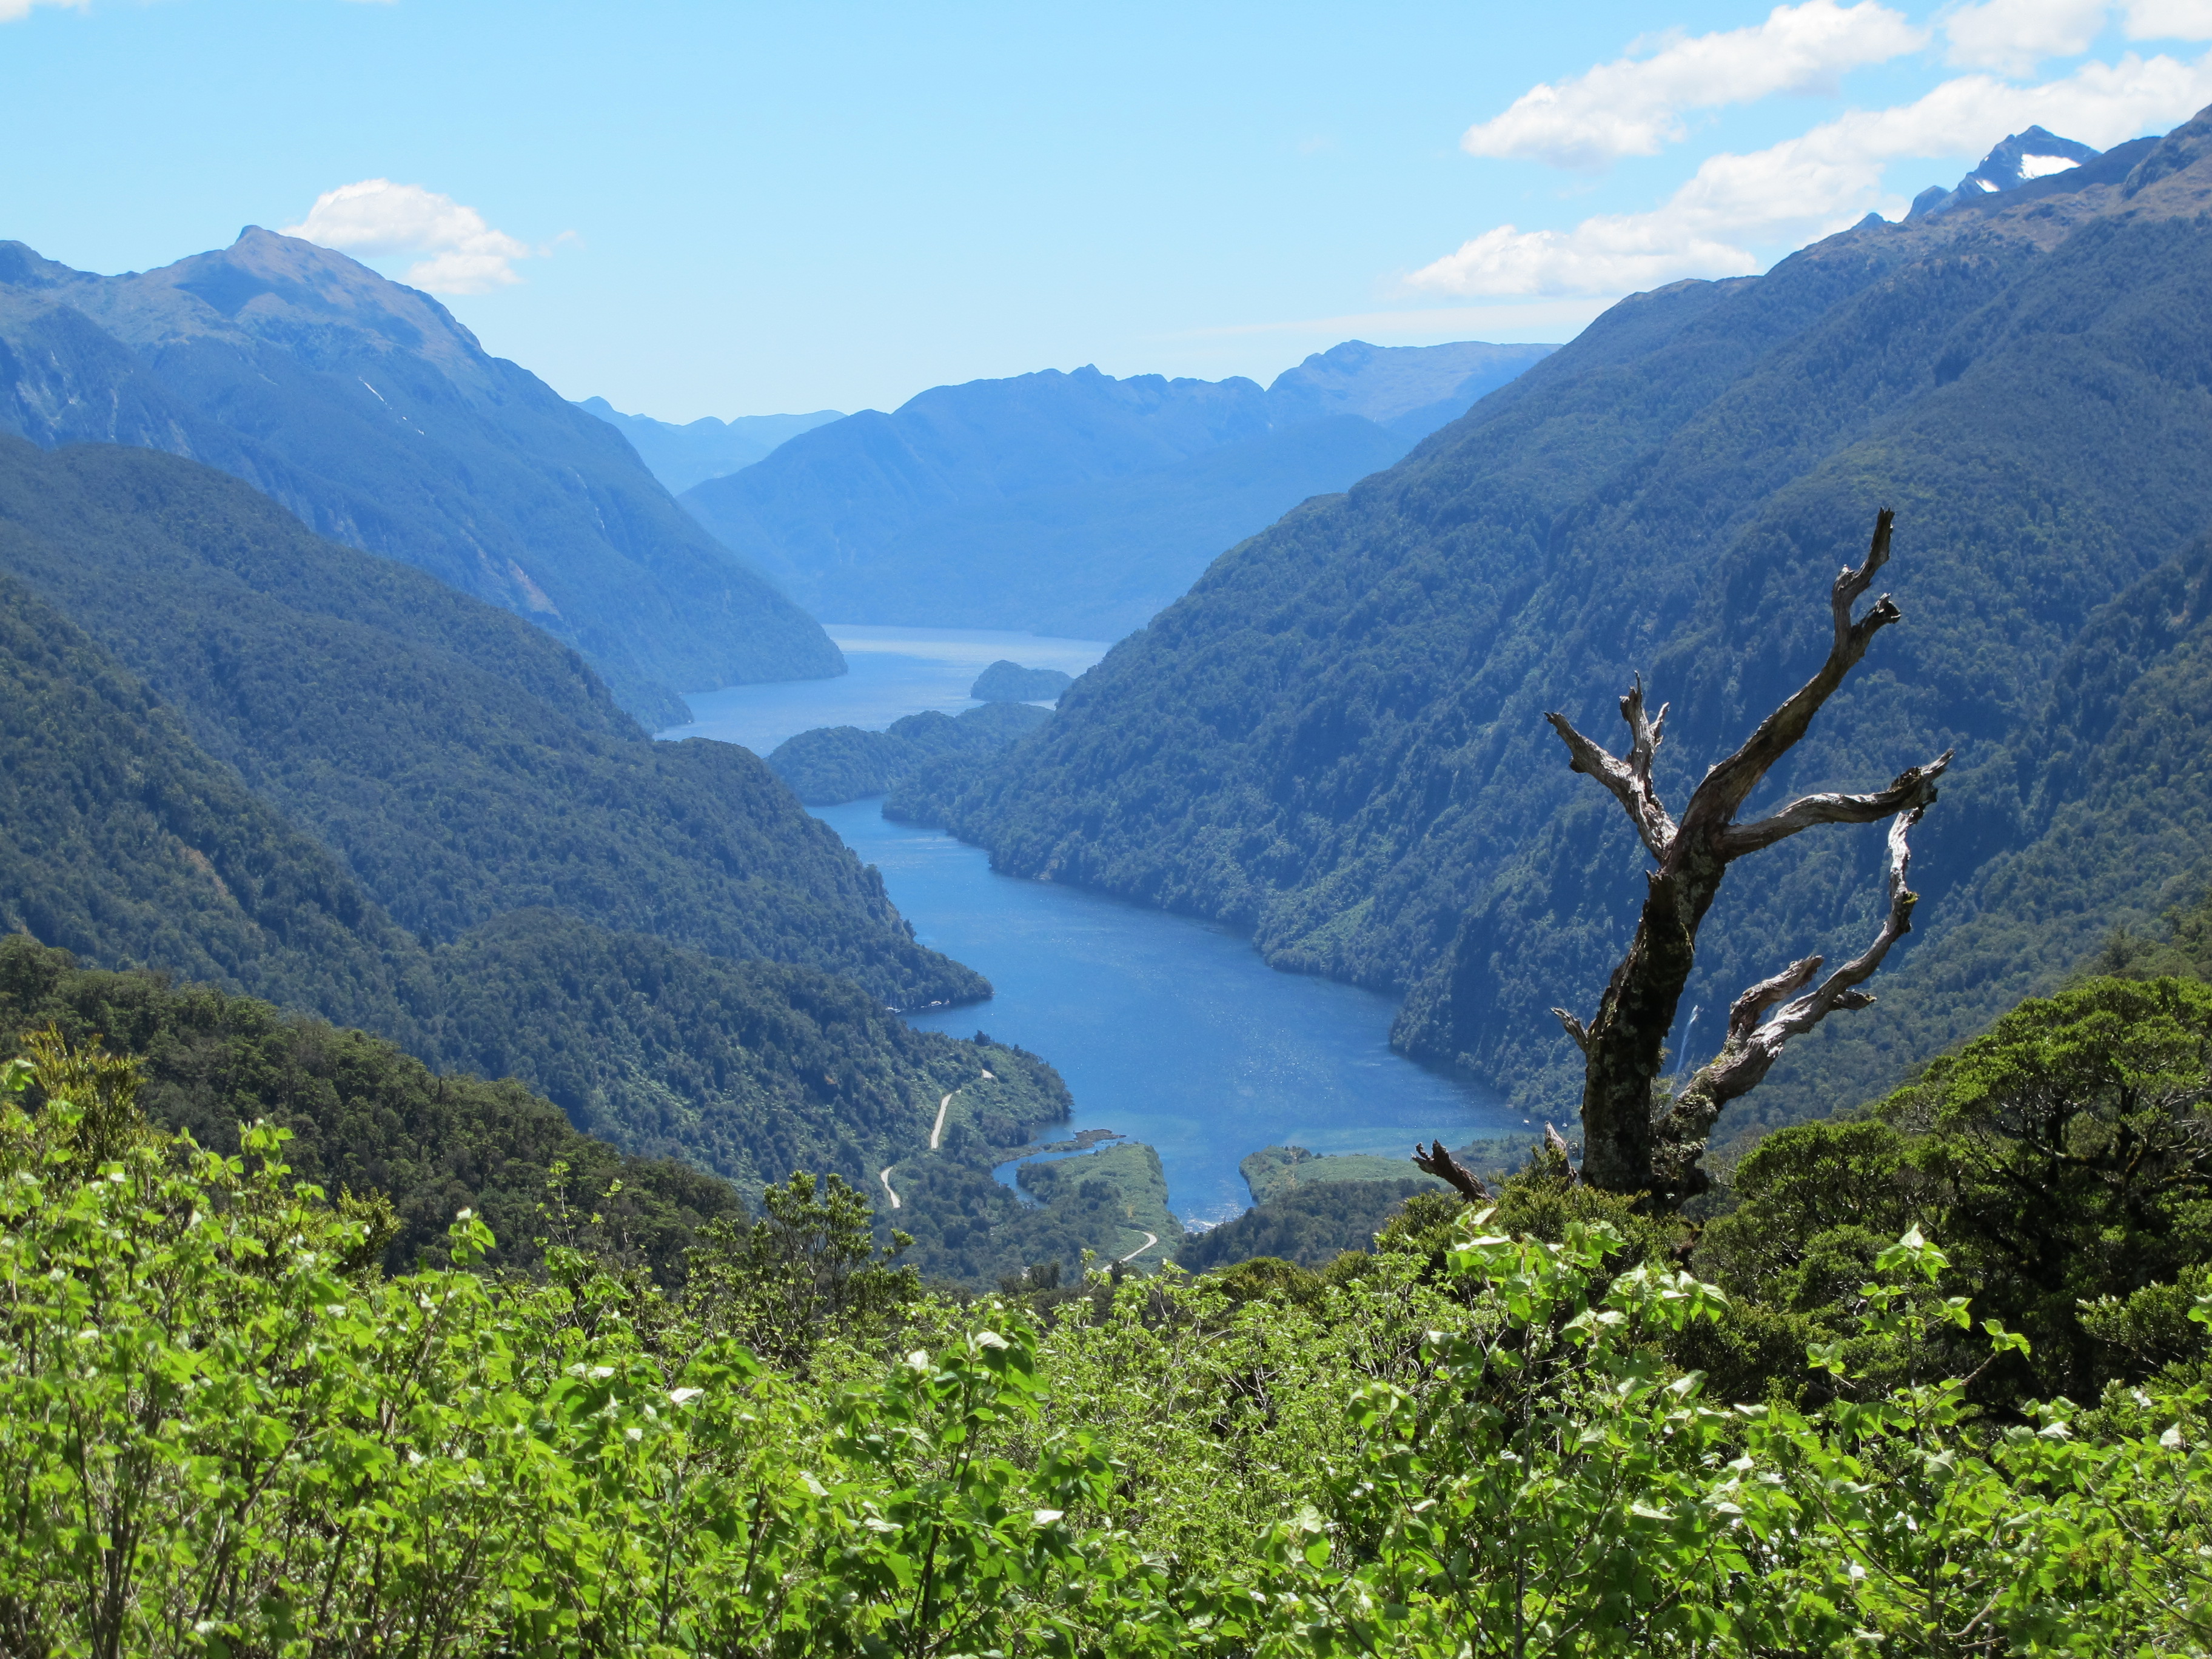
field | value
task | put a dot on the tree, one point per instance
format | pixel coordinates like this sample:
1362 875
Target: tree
1627 1147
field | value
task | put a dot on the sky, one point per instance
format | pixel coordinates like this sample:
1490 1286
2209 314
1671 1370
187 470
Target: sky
729 209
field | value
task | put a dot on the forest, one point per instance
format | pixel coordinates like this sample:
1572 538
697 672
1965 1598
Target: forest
1937 1379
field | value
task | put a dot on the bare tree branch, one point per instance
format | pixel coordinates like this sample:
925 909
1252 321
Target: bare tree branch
1629 779
1745 1013
1575 1029
1442 1165
1728 785
1912 789
1756 1039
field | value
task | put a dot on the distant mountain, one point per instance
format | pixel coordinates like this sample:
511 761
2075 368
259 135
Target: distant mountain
364 407
1408 390
1336 738
2021 158
1074 504
681 456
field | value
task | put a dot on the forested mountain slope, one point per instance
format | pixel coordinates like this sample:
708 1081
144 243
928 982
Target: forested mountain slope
120 838
461 763
584 910
1075 504
368 410
1336 738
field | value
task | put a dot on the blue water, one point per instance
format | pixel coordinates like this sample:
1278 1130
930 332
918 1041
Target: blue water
893 672
1168 1030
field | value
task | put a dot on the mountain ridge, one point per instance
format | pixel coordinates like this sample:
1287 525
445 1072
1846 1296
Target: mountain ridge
366 409
1073 504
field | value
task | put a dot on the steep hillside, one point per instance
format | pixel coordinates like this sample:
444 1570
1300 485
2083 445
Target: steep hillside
681 456
1336 737
1074 504
461 763
126 845
120 839
368 410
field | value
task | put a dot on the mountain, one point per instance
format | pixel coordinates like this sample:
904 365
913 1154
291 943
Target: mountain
2019 160
460 763
1410 391
368 410
681 456
1073 504
121 839
1007 681
1336 738
259 746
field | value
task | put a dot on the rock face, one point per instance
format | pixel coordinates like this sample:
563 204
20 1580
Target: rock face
1009 681
1336 739
366 409
2021 158
1075 504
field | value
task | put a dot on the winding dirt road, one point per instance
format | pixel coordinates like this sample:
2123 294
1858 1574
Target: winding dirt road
1151 1239
884 1175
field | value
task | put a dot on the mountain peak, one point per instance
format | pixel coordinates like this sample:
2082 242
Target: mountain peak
2016 160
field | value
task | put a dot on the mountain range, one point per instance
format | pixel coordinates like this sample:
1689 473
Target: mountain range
366 409
1336 738
1074 504
681 456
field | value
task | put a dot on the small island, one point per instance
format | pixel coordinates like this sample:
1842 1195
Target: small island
1009 681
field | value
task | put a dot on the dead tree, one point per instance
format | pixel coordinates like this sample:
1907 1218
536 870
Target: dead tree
1626 1146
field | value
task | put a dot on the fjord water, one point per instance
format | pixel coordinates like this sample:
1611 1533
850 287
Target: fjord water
892 673
1169 1030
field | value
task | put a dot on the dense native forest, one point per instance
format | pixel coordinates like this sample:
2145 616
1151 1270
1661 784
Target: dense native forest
1337 740
831 764
1937 1381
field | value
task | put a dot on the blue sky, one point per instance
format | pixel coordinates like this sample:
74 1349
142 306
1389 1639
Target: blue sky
730 208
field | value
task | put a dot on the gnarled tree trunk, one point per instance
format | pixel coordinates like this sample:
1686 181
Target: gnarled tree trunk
1626 1147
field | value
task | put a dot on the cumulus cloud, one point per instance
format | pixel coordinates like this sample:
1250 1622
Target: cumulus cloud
1633 107
460 253
13 11
2168 19
2013 36
1812 184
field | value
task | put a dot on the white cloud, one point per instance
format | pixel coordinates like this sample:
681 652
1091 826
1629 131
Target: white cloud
1812 184
2169 20
462 253
13 11
1632 107
2014 36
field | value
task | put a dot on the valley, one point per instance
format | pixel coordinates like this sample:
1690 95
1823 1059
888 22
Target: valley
1051 1017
